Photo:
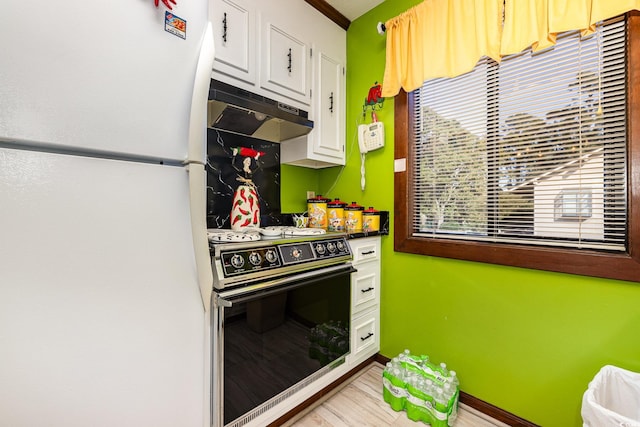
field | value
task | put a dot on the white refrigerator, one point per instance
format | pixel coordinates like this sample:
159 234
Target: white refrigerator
105 275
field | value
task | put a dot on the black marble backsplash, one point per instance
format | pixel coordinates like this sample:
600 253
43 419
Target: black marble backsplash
226 171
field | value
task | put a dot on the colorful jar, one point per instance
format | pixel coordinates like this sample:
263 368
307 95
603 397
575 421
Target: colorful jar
317 211
370 220
353 217
335 213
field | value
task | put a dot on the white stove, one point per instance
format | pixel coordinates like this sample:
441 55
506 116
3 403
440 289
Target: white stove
276 287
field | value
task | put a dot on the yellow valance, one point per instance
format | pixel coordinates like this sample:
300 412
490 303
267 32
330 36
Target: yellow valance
440 38
536 23
446 38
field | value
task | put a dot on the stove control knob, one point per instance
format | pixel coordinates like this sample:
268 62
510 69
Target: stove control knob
296 253
331 246
320 249
237 261
340 246
255 258
271 256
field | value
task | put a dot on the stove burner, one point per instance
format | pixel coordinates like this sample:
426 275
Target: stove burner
256 233
223 235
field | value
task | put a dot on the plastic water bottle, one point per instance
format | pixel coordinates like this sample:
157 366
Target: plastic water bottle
409 361
424 359
440 402
428 387
416 403
453 379
448 392
394 385
443 369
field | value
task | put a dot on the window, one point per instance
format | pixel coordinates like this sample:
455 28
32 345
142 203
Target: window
573 204
528 162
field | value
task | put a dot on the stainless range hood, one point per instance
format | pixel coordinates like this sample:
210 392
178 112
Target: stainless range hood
235 110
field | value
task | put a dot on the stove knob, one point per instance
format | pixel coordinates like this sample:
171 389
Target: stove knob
320 248
255 258
331 246
296 253
237 261
341 246
271 256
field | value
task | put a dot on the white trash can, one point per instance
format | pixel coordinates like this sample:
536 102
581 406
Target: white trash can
612 399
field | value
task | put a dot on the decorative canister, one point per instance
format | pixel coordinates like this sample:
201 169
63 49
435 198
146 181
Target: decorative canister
353 217
317 210
335 212
370 220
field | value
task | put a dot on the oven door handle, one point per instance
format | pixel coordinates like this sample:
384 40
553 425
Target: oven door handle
259 290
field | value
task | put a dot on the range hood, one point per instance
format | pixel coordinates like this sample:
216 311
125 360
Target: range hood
235 110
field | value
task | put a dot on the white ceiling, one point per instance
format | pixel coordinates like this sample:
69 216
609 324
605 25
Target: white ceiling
353 9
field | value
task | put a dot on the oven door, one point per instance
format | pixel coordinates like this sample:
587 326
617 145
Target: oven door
271 339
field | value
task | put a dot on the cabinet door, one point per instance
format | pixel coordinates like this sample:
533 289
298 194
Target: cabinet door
234 33
285 66
365 340
328 139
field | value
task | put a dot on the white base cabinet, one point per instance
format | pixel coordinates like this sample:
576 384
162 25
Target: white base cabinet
365 299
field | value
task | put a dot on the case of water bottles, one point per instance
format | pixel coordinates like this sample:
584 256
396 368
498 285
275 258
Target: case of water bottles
426 391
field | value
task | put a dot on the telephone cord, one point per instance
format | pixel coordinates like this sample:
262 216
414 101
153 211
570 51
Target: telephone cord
362 180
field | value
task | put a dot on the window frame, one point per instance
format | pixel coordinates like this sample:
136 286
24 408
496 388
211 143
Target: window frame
621 266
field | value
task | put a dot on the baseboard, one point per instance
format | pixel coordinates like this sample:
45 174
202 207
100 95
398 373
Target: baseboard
480 405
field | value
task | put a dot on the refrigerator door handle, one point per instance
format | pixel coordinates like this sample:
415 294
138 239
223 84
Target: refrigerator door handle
197 191
198 115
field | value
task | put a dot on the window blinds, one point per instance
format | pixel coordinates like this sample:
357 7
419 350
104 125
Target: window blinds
531 150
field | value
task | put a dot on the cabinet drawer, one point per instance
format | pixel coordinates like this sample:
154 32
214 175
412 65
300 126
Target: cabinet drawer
366 251
365 287
365 340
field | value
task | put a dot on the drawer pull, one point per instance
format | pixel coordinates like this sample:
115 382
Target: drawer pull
224 28
369 289
369 252
369 335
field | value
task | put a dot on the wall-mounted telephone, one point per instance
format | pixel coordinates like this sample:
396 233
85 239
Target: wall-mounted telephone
371 136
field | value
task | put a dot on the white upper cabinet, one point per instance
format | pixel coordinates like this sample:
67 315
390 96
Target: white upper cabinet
285 62
234 33
287 51
325 145
329 108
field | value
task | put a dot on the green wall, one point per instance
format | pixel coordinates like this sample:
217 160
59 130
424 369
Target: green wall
526 341
295 182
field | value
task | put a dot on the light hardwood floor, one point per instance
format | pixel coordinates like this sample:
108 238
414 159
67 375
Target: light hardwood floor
359 402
